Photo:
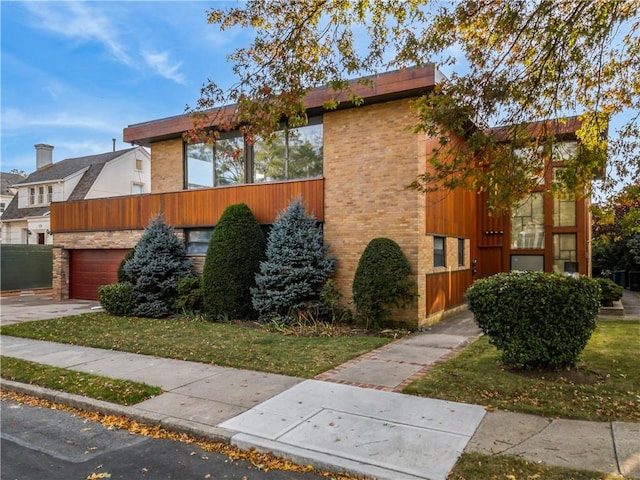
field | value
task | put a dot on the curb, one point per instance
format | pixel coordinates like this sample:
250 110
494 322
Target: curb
212 434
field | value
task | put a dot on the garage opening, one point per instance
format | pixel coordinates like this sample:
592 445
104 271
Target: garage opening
90 269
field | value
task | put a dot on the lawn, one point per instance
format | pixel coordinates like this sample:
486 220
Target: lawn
222 344
122 392
605 386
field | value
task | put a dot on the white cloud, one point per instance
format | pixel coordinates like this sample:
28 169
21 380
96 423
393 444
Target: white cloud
15 120
161 64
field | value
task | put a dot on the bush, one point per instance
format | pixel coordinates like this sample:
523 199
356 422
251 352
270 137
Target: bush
117 298
382 281
537 320
158 263
122 276
233 259
296 268
611 291
190 299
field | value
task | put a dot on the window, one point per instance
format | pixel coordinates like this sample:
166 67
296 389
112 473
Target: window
139 164
530 263
32 196
40 194
439 251
527 223
197 241
49 193
294 153
461 252
565 252
137 188
2 206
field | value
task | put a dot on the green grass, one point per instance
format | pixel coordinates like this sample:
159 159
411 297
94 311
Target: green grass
122 392
200 341
477 376
474 466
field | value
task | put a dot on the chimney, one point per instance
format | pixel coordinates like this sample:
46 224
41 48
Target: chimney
114 144
44 155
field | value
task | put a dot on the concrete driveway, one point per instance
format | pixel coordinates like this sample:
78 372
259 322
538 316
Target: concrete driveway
29 307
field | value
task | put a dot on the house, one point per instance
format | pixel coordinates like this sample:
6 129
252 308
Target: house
350 166
26 219
7 180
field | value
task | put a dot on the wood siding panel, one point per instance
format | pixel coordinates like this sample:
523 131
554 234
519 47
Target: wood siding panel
184 209
446 290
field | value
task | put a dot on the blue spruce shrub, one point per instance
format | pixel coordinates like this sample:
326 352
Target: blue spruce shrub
537 320
296 268
233 259
158 263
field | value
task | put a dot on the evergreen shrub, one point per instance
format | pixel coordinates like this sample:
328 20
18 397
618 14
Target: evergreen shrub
537 320
190 298
296 268
611 291
117 298
122 276
158 263
382 281
233 259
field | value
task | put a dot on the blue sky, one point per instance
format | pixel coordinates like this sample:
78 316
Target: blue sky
74 74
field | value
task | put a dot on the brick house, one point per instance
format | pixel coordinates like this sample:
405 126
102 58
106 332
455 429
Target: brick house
351 167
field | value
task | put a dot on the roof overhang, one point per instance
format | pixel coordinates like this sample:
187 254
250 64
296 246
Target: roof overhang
405 83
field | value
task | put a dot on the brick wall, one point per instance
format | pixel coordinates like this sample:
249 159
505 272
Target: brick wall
369 159
167 166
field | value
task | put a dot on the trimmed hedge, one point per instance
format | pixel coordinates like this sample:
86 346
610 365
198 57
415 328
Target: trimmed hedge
382 281
611 291
117 298
537 320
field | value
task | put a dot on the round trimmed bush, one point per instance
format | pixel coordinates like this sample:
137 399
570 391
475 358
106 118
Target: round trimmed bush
382 281
117 298
611 291
537 320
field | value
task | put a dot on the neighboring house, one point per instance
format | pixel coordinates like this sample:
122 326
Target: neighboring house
26 219
7 180
351 167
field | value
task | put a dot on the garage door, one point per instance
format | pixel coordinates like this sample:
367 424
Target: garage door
89 269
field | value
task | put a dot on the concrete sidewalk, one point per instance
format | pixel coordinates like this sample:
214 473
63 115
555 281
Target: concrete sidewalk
351 418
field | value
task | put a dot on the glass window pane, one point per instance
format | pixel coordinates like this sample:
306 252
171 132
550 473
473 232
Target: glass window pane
565 252
230 159
527 223
199 166
305 152
439 252
527 263
198 241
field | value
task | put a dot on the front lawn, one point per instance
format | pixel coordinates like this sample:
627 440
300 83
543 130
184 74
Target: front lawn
222 344
606 386
122 392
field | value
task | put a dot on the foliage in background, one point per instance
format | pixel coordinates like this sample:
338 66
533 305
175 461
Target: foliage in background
117 298
610 291
233 259
537 320
158 263
122 276
616 233
522 61
382 281
296 268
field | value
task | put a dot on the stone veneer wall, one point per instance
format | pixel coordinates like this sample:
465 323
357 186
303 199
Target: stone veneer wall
369 159
167 166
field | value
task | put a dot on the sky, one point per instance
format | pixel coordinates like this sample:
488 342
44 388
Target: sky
75 74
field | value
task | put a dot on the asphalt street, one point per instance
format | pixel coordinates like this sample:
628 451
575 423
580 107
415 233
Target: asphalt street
39 443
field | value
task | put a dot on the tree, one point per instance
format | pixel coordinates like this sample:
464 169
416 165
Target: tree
523 61
616 232
158 263
296 268
233 259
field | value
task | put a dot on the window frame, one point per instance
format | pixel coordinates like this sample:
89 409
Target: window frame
439 254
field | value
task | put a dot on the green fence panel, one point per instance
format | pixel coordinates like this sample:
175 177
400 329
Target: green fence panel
23 267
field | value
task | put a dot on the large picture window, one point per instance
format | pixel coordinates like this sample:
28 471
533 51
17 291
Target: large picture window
527 223
294 153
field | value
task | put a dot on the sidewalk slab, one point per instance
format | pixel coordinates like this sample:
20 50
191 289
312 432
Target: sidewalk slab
371 432
626 437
